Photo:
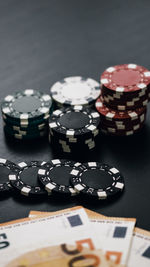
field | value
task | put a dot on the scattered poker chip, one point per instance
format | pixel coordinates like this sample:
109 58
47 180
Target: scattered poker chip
26 106
74 122
6 167
24 180
75 91
111 114
55 176
97 180
126 78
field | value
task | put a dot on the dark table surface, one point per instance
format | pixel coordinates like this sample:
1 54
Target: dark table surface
42 42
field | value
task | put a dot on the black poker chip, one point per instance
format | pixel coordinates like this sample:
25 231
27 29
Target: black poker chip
98 180
23 135
6 167
55 176
74 122
31 128
71 148
25 181
25 123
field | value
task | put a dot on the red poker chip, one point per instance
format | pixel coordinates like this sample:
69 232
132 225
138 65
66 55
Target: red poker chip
123 124
125 105
129 105
126 78
143 95
128 133
121 127
111 114
118 132
124 95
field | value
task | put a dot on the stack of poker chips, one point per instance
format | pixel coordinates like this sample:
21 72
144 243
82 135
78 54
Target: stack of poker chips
125 92
77 90
25 114
74 129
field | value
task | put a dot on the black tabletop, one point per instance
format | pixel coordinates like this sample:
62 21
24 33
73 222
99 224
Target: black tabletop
44 41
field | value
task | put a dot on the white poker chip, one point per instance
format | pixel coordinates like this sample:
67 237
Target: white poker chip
75 91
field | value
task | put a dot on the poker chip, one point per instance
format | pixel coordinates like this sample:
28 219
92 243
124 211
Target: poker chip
125 87
26 105
24 180
25 114
126 78
60 177
20 136
122 133
127 123
124 96
97 180
74 122
111 114
24 124
6 167
29 133
128 105
75 91
32 128
125 93
122 130
55 176
123 123
74 128
71 147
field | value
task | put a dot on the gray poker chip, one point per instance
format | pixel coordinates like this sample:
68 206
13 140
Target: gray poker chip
75 90
26 106
98 180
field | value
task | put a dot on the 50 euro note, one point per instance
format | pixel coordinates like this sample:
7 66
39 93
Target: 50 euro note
114 234
65 239
140 249
139 254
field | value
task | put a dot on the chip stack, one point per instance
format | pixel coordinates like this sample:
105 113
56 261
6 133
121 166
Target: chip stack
77 90
74 129
125 92
26 113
